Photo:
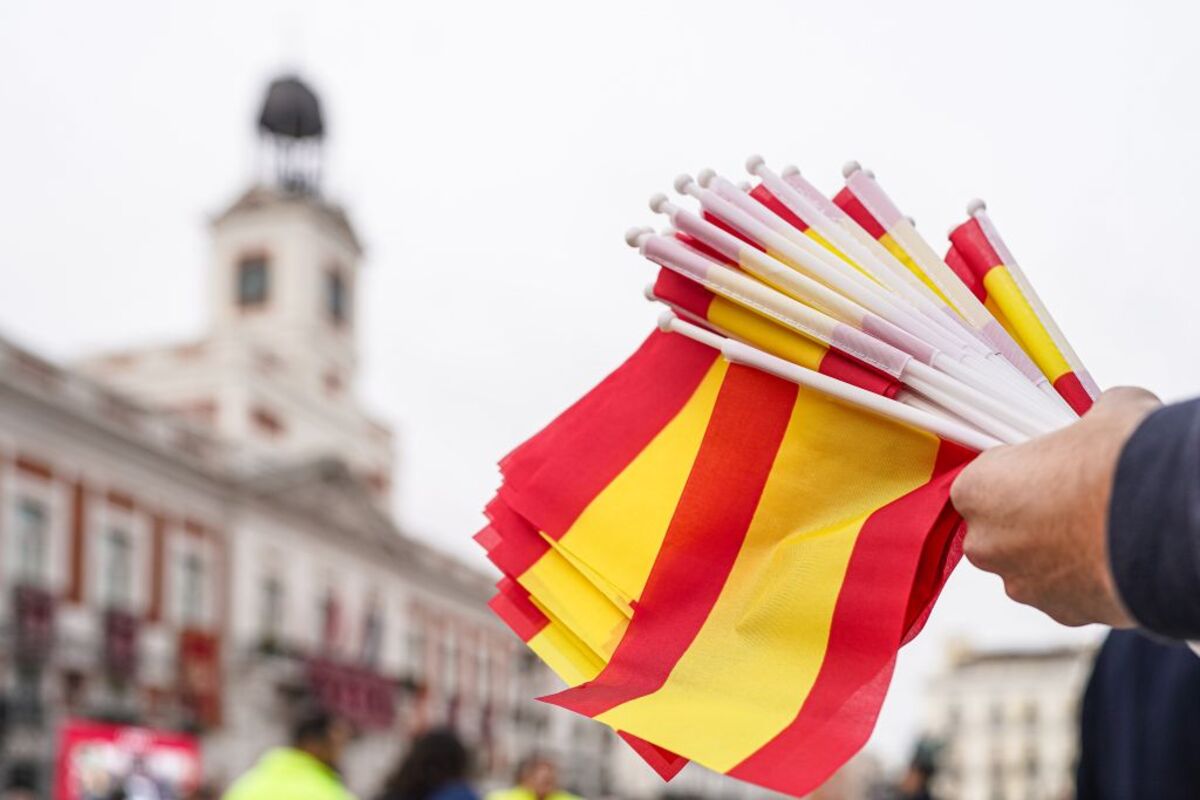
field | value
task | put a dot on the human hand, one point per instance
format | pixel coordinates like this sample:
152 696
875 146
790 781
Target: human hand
1037 513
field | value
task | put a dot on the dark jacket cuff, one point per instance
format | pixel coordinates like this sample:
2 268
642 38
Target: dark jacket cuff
1154 522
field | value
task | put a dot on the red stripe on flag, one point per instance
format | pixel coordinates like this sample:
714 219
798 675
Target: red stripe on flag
942 550
848 369
725 226
551 478
846 201
515 544
702 542
958 264
1071 390
764 196
513 606
715 255
690 296
837 717
673 288
662 761
487 538
973 246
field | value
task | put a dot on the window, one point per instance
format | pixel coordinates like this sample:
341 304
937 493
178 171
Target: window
191 589
335 297
30 535
1030 716
1032 765
271 621
331 622
997 716
484 673
116 591
449 664
416 649
253 281
372 636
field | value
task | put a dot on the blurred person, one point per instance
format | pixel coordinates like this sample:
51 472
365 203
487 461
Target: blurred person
205 791
21 782
918 779
537 779
308 769
1140 735
435 768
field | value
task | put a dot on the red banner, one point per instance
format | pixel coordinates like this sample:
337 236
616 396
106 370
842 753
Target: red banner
98 760
200 676
362 696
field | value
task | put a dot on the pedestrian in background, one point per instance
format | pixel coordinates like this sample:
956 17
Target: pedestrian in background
435 768
306 770
537 779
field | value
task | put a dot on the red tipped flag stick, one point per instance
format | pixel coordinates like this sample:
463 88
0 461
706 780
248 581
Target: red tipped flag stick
826 219
992 415
1004 404
905 396
978 365
977 209
862 184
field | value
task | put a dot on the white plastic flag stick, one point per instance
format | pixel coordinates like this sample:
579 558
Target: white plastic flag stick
900 312
977 209
846 232
1029 413
911 398
740 353
993 415
868 191
836 227
930 321
904 395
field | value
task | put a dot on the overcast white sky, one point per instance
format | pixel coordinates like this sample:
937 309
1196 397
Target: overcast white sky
492 154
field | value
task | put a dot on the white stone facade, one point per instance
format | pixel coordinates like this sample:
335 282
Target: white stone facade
1008 722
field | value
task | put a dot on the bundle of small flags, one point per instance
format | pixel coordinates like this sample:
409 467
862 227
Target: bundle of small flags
721 548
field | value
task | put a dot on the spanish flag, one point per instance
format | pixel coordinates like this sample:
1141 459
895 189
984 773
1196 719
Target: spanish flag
983 265
720 564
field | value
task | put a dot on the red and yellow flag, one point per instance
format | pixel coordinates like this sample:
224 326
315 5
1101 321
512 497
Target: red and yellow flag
980 266
751 555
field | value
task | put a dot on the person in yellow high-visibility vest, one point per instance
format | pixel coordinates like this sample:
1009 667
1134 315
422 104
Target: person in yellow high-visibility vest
306 770
537 779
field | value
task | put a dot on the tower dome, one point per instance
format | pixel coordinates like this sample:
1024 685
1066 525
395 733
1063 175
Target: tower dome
292 129
291 109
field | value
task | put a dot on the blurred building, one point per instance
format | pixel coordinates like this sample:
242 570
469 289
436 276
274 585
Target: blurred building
198 536
1007 722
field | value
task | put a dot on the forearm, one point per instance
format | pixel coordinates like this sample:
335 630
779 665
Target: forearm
1154 522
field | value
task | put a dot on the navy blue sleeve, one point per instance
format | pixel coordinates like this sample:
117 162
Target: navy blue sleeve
1154 522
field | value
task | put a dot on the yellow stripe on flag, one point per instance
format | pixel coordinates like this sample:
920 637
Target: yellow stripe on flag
893 247
828 245
765 334
620 532
605 586
995 311
1029 330
576 602
747 673
564 654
